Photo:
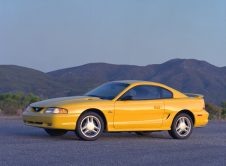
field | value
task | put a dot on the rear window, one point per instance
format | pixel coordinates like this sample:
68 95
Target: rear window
166 94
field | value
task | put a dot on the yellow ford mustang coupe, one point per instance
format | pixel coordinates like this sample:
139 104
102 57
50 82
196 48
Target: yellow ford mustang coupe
133 106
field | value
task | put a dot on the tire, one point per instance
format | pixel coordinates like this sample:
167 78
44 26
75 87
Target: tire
89 126
182 126
55 132
143 133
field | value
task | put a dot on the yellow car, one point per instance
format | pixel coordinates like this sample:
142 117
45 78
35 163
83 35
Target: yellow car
132 106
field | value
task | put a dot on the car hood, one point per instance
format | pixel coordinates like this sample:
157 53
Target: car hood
57 102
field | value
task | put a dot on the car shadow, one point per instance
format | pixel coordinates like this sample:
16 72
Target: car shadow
131 136
105 137
35 133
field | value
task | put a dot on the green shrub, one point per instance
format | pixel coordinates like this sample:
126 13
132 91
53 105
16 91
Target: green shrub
14 103
215 112
223 110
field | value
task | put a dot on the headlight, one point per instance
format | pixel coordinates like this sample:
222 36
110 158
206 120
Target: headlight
56 111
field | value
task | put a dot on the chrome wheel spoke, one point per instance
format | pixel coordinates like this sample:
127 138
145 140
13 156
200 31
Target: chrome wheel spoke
83 128
91 120
182 120
97 128
187 128
94 131
179 130
178 127
88 121
86 131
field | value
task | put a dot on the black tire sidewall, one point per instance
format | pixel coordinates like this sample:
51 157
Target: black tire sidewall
78 129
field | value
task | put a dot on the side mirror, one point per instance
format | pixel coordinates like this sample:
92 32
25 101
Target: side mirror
127 97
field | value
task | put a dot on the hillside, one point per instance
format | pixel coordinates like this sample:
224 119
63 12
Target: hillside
187 75
16 78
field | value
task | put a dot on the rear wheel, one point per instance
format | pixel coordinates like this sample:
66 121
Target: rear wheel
182 126
55 132
90 126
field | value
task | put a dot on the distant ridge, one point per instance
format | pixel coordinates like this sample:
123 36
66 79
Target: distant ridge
187 75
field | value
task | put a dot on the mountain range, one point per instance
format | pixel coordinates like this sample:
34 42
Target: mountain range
186 75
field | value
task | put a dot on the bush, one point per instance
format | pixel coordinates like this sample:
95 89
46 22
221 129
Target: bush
223 110
214 111
14 103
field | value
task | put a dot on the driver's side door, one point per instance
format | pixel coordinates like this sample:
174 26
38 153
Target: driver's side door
142 109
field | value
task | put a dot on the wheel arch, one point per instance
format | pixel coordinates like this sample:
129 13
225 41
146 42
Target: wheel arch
188 112
99 112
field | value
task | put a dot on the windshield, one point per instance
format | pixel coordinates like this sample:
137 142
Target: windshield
108 91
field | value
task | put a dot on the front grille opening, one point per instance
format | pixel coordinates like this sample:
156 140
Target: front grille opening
31 122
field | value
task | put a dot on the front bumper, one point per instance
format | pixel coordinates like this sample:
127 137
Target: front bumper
52 121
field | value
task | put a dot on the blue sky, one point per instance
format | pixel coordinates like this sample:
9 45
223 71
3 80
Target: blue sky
53 34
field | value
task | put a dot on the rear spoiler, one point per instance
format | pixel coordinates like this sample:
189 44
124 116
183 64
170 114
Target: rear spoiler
194 95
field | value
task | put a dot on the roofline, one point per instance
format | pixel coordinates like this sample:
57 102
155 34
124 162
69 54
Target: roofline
133 83
140 82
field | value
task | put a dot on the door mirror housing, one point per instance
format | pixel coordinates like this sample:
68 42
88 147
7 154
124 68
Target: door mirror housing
127 97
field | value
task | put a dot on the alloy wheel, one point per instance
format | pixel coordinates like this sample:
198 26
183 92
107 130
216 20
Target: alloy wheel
90 126
183 126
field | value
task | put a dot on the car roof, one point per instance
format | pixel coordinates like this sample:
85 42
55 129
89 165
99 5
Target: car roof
129 81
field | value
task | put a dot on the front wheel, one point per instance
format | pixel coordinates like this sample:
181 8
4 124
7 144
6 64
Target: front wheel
90 126
182 126
55 132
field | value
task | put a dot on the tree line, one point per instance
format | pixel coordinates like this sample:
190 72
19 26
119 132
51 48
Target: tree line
15 103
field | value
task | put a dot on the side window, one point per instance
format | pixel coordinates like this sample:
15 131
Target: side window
143 92
166 94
